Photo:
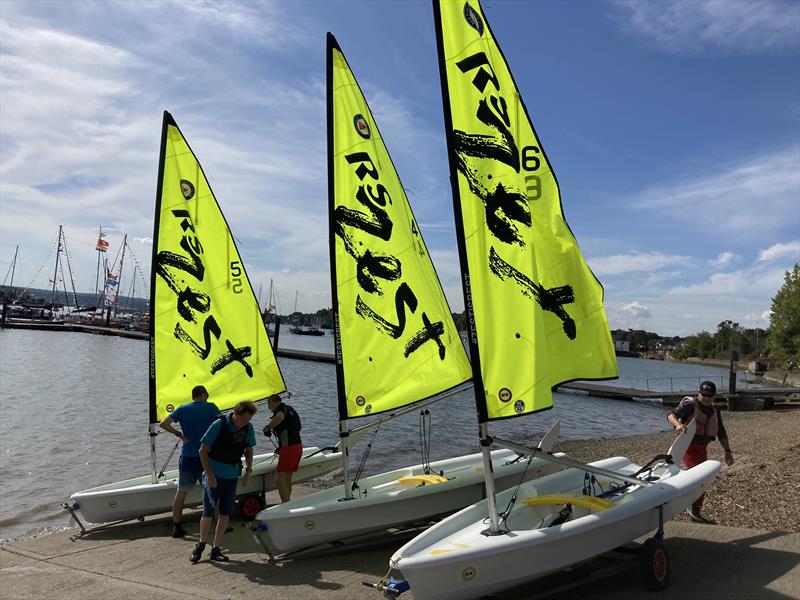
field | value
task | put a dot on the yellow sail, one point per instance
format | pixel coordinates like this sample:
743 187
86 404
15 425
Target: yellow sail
396 342
206 328
536 307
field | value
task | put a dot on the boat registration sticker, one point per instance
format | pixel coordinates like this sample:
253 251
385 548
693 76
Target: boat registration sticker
468 573
112 504
309 525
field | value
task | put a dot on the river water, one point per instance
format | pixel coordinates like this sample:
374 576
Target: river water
73 414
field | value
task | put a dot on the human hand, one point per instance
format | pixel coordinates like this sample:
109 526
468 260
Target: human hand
212 480
184 439
680 428
729 458
246 479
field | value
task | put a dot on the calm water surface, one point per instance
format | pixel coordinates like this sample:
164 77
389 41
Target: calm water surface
73 414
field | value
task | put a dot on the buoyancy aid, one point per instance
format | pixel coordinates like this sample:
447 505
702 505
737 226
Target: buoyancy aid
288 430
707 424
229 445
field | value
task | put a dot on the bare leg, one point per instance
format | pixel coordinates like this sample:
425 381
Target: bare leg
205 528
177 506
283 481
222 524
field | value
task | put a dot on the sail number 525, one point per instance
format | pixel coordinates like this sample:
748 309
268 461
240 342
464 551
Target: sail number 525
531 162
236 277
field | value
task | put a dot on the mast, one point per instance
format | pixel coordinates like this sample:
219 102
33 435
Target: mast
55 271
71 277
337 337
167 119
97 271
119 280
14 268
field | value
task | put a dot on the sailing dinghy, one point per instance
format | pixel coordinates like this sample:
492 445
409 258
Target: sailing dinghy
206 329
517 251
397 347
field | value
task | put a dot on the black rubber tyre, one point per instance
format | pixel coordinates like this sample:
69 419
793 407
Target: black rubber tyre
654 564
250 506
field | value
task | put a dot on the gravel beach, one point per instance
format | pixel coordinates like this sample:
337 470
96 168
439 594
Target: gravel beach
760 490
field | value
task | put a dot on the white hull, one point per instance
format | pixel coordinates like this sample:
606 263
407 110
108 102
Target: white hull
455 560
384 501
139 497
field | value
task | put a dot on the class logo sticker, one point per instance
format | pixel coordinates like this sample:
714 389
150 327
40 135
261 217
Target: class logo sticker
519 407
187 189
473 19
309 525
112 504
361 401
170 407
468 573
361 125
505 395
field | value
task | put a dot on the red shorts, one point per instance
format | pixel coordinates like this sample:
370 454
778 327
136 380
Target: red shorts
289 458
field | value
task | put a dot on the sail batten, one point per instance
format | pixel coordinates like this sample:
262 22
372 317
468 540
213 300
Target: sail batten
205 322
535 308
395 340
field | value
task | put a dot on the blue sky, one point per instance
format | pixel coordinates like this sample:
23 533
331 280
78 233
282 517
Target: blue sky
673 128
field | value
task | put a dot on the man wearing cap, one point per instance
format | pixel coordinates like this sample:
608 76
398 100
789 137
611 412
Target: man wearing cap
709 427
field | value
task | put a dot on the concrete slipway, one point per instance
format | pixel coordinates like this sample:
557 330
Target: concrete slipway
140 561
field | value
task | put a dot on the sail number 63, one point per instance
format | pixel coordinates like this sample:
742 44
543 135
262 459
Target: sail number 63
236 277
531 162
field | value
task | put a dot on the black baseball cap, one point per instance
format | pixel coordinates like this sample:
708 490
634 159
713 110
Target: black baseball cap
707 388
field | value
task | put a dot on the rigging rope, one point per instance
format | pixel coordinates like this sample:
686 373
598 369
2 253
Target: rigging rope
513 500
364 457
425 439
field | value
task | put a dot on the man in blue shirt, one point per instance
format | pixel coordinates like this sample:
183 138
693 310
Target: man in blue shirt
221 450
194 418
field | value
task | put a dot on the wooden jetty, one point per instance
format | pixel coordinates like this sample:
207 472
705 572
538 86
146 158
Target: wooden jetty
39 325
672 398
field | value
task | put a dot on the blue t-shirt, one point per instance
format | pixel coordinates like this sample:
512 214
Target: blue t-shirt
194 417
221 469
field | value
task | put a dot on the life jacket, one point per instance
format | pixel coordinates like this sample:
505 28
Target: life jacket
288 431
707 424
229 445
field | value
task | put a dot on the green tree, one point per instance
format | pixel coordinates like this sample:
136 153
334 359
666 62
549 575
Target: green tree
783 342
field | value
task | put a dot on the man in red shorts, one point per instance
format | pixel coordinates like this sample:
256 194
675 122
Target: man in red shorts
709 427
285 424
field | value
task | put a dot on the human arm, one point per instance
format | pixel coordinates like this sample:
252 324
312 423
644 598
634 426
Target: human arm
212 480
722 436
273 423
166 425
248 462
676 422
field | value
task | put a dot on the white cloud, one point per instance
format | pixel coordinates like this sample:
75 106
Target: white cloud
684 27
635 262
776 251
724 259
751 199
636 310
747 282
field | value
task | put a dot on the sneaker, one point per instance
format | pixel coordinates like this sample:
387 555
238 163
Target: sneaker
694 515
178 531
216 554
198 552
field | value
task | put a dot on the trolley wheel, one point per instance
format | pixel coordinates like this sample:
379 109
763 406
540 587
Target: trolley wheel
654 564
250 506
